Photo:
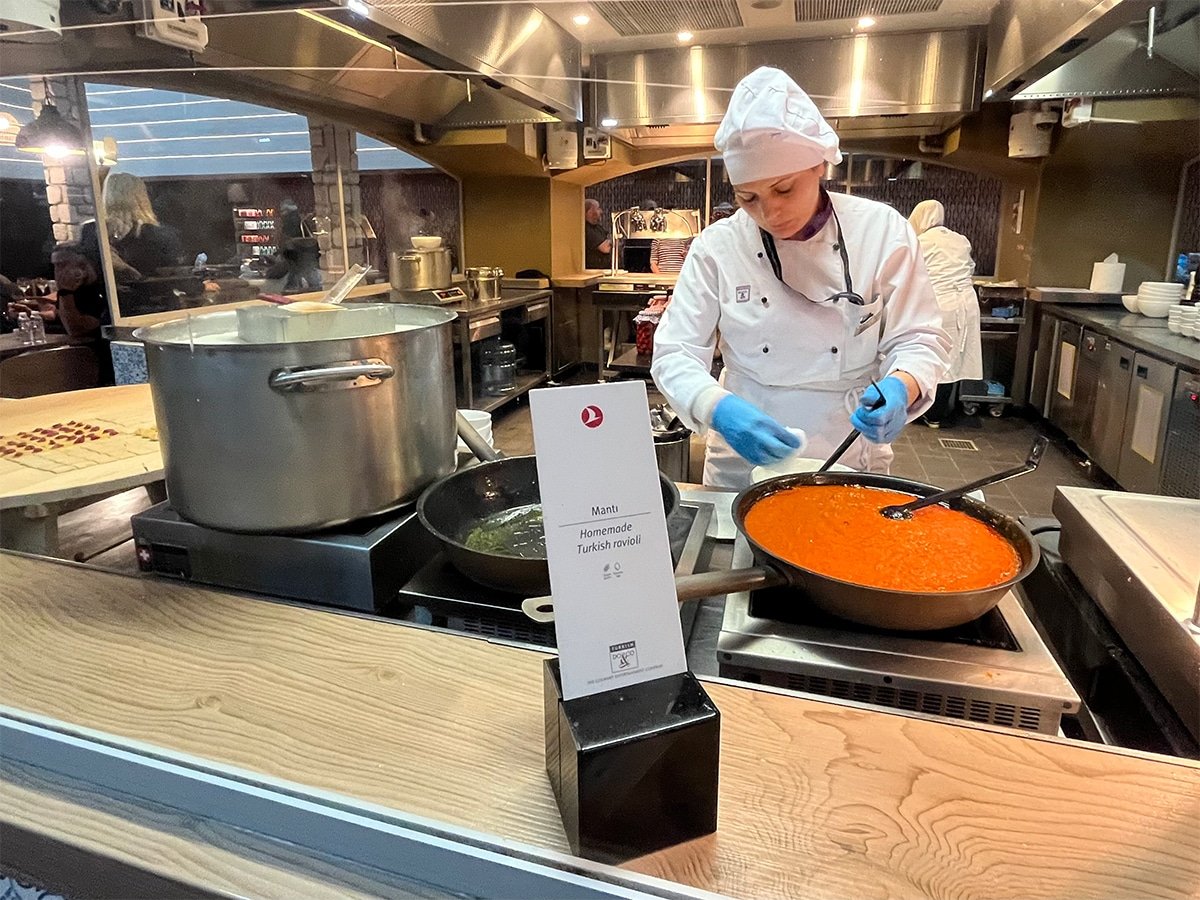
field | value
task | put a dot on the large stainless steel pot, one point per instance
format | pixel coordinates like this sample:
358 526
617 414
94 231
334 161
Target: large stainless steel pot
420 270
287 437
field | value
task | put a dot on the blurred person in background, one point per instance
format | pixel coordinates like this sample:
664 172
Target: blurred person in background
948 260
668 254
134 232
597 239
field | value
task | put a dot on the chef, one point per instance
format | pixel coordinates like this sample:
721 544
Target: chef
809 295
948 261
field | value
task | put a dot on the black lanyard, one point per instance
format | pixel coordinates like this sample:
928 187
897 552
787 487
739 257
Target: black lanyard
768 242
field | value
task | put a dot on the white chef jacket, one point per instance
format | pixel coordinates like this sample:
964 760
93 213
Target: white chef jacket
948 260
800 359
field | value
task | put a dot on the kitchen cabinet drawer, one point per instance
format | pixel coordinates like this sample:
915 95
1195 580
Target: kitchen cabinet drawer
534 312
1108 415
1146 409
481 329
1181 460
1064 367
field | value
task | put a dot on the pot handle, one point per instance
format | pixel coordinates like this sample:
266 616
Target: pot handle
687 587
332 376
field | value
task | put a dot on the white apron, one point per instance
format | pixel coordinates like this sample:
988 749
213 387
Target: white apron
960 321
948 259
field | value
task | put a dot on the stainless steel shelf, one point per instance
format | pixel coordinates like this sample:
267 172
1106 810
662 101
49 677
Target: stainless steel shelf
525 383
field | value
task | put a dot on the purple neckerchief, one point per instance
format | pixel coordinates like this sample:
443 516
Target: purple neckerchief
817 222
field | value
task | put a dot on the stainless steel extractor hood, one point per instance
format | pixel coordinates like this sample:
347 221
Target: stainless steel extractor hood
879 84
1150 58
340 64
1028 39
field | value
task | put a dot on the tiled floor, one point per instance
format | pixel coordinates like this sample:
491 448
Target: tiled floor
100 533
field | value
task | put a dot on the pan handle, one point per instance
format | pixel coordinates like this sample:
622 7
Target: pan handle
473 439
687 587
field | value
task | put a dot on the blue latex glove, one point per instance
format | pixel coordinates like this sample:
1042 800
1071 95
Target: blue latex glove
752 433
882 425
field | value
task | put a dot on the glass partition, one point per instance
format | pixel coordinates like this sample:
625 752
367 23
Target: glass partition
207 200
45 199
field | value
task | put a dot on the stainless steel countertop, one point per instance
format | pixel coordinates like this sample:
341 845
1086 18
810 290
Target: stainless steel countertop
1139 332
1135 555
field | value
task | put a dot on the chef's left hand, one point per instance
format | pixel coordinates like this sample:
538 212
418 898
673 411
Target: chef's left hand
882 425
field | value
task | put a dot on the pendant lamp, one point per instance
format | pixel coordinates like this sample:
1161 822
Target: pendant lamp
50 134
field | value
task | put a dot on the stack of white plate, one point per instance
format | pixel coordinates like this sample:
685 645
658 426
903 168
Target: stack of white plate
1184 320
1155 298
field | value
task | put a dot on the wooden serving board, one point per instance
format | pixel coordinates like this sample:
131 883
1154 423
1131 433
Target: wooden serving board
56 466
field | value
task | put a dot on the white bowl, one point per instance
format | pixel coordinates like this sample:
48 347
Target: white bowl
482 422
793 465
1130 301
1187 329
1162 285
1174 326
1155 309
426 241
1159 294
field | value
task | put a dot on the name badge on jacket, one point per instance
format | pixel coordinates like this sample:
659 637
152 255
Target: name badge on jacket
742 293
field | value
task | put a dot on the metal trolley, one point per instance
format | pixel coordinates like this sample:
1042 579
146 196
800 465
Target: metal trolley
1001 314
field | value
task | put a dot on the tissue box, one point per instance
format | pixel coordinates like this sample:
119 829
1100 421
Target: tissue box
1108 277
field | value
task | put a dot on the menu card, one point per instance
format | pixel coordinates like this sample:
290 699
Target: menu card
616 615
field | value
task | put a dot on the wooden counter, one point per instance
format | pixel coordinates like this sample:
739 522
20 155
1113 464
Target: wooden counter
818 799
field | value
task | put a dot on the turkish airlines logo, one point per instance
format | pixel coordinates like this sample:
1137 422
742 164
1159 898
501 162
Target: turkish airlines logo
592 416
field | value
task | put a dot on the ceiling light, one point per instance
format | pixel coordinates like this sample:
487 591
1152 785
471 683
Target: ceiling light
7 122
608 123
684 37
264 140
358 7
866 22
988 93
581 20
51 134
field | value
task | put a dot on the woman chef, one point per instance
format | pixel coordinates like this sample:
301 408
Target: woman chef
950 266
810 296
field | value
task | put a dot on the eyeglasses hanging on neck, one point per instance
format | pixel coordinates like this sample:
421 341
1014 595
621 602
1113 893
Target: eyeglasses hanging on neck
849 294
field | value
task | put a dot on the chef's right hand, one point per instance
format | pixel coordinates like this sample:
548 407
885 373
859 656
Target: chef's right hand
754 435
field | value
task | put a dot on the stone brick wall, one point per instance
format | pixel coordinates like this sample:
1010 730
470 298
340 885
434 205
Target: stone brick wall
333 147
68 184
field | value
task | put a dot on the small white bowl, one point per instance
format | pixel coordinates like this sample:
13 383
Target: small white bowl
1174 326
426 241
1155 309
1187 329
1130 301
1161 285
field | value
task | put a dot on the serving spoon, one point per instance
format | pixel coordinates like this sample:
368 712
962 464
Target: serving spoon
905 510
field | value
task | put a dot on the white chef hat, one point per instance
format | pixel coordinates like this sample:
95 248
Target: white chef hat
772 128
925 215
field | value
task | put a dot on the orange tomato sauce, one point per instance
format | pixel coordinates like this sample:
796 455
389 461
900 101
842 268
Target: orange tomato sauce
836 530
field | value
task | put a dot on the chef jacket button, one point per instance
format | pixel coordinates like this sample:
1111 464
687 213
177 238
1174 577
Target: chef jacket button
764 301
766 349
833 350
837 247
760 256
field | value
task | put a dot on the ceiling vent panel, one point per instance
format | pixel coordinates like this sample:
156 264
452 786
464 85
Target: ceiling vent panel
828 10
633 18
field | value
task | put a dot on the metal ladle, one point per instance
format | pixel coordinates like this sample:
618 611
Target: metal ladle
905 510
